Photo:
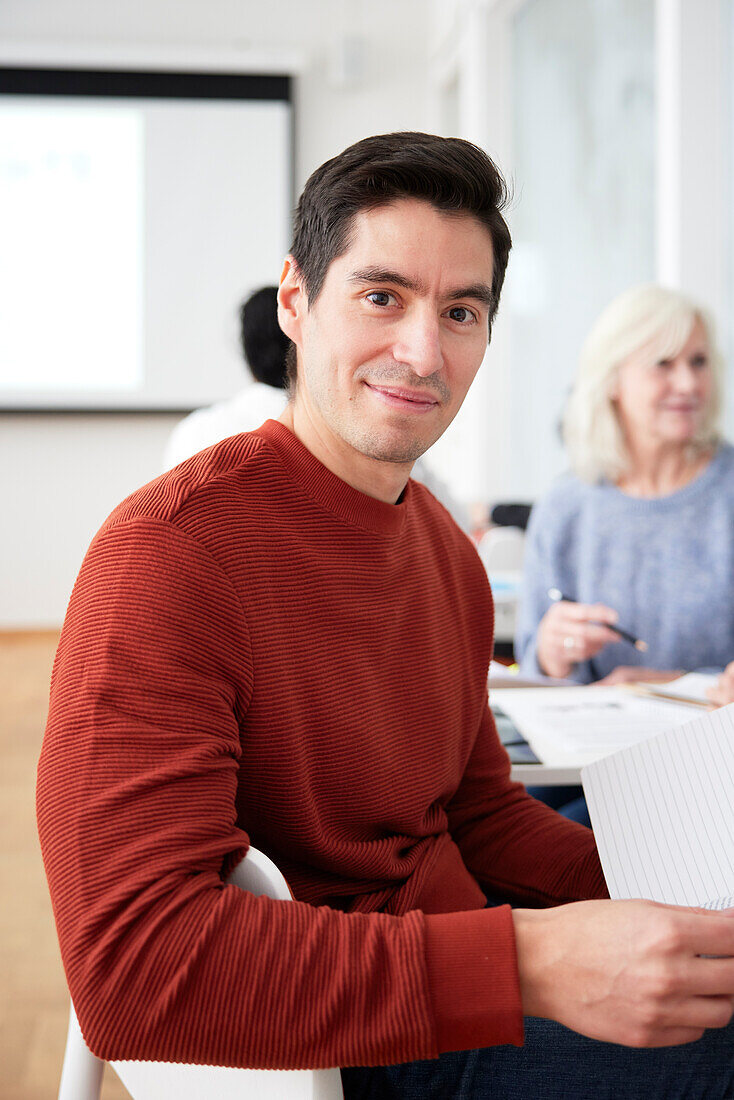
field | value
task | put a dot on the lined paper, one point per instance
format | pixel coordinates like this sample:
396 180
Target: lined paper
720 903
663 814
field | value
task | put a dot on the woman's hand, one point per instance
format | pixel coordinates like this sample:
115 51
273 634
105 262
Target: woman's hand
573 632
723 690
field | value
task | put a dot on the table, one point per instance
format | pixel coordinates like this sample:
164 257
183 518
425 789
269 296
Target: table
546 775
526 768
575 725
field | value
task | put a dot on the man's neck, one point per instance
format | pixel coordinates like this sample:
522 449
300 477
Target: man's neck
382 480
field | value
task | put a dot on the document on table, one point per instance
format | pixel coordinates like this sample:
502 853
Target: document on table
573 726
663 814
690 688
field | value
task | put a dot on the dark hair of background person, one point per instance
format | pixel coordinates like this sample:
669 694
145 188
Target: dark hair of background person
263 341
451 174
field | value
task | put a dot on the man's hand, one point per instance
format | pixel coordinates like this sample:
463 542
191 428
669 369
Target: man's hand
573 632
628 972
723 690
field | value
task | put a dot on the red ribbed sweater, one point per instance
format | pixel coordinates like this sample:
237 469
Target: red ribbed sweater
253 649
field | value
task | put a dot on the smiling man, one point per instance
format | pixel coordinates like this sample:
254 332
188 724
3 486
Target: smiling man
394 339
285 640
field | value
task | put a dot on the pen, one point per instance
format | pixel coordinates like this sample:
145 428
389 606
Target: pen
555 594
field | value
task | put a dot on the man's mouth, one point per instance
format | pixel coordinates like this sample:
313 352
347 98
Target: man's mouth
399 397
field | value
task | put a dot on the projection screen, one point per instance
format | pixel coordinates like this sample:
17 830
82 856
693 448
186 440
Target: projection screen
137 210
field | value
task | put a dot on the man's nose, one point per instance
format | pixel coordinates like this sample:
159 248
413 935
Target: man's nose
419 344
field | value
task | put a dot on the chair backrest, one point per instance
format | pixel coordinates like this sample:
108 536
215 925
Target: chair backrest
81 1076
502 550
258 874
506 514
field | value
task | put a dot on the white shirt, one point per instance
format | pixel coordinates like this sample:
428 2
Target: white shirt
244 412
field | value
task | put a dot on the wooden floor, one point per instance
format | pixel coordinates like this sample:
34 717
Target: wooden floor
35 1001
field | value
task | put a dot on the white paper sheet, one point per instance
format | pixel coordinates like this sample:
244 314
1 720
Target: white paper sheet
691 687
663 814
719 903
580 724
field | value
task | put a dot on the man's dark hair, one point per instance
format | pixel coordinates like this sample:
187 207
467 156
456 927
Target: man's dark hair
451 174
263 341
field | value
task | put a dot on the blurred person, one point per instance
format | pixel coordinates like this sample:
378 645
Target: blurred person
640 533
264 345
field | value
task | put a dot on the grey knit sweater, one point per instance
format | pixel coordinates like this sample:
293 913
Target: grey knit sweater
666 565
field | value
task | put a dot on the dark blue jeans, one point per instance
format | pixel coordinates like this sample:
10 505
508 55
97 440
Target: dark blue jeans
558 1064
568 801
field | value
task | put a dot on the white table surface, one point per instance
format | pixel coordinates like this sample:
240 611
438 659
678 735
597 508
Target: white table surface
546 775
536 775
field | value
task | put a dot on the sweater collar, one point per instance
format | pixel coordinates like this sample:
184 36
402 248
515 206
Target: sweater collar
701 483
328 490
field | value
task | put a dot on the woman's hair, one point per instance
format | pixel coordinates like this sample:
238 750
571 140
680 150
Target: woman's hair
653 319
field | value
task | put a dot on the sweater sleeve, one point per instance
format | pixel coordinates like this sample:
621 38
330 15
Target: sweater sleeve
516 847
136 810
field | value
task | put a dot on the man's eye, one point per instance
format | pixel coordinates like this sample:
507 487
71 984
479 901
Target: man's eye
461 314
380 298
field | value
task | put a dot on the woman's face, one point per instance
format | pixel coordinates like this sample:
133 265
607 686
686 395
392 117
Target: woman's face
664 402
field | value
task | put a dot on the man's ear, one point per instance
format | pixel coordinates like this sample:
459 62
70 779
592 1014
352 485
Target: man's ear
292 301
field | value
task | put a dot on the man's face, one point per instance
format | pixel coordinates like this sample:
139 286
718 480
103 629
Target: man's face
392 343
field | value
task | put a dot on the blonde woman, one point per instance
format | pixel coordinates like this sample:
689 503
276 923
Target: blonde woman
641 533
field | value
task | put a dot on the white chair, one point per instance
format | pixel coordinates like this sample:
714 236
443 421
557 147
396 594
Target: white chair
502 550
81 1076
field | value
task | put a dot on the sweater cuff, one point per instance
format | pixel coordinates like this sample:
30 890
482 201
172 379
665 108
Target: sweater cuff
473 980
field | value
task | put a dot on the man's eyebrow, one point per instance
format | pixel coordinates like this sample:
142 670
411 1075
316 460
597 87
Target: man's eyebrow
480 292
385 275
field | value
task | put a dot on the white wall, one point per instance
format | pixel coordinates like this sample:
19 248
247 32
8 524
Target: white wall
62 474
678 184
583 102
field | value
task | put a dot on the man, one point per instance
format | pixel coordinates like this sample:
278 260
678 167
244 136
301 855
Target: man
286 640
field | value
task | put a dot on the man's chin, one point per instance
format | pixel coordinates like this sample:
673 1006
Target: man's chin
400 452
